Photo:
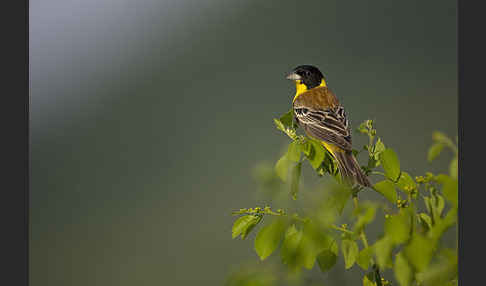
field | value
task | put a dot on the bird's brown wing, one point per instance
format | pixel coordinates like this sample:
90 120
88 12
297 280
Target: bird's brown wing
319 113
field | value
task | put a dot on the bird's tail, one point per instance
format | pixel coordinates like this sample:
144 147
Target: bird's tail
350 170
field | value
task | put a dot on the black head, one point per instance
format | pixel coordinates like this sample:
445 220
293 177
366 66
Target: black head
306 74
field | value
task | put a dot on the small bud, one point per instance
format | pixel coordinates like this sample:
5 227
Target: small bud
429 176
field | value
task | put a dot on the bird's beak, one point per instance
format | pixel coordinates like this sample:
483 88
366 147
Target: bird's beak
293 76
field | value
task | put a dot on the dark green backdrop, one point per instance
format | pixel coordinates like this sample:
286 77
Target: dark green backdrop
147 117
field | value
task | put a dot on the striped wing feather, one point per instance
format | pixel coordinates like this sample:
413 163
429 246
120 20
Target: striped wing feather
322 117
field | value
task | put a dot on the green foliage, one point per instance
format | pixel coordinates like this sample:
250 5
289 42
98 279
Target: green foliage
434 151
410 244
365 214
294 184
282 167
364 258
387 189
397 228
391 164
290 246
293 153
253 276
350 252
419 252
403 271
302 246
268 238
326 259
450 191
406 183
315 153
369 280
244 225
382 249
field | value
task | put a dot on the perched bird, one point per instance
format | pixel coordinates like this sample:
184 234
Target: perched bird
318 112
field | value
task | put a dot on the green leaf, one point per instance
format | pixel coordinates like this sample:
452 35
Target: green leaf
441 138
434 151
329 165
425 220
435 205
364 258
453 168
326 260
287 119
450 191
282 168
387 189
290 246
406 183
295 178
419 252
403 271
350 252
317 154
334 247
439 205
397 228
366 214
331 207
383 248
268 238
441 178
379 147
391 164
244 225
307 149
362 127
279 125
338 197
240 225
372 163
441 225
443 272
313 242
293 152
369 279
427 202
301 248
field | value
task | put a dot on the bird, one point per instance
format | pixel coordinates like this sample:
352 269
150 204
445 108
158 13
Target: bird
318 112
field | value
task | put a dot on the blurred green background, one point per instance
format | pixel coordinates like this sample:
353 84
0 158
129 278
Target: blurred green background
148 116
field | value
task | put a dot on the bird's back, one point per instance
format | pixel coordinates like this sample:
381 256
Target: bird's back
319 98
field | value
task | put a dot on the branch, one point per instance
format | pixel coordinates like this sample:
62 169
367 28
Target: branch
268 211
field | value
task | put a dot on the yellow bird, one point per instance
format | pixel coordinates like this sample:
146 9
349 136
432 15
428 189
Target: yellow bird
317 110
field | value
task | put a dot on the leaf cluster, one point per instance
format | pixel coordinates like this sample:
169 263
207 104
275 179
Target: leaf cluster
410 244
